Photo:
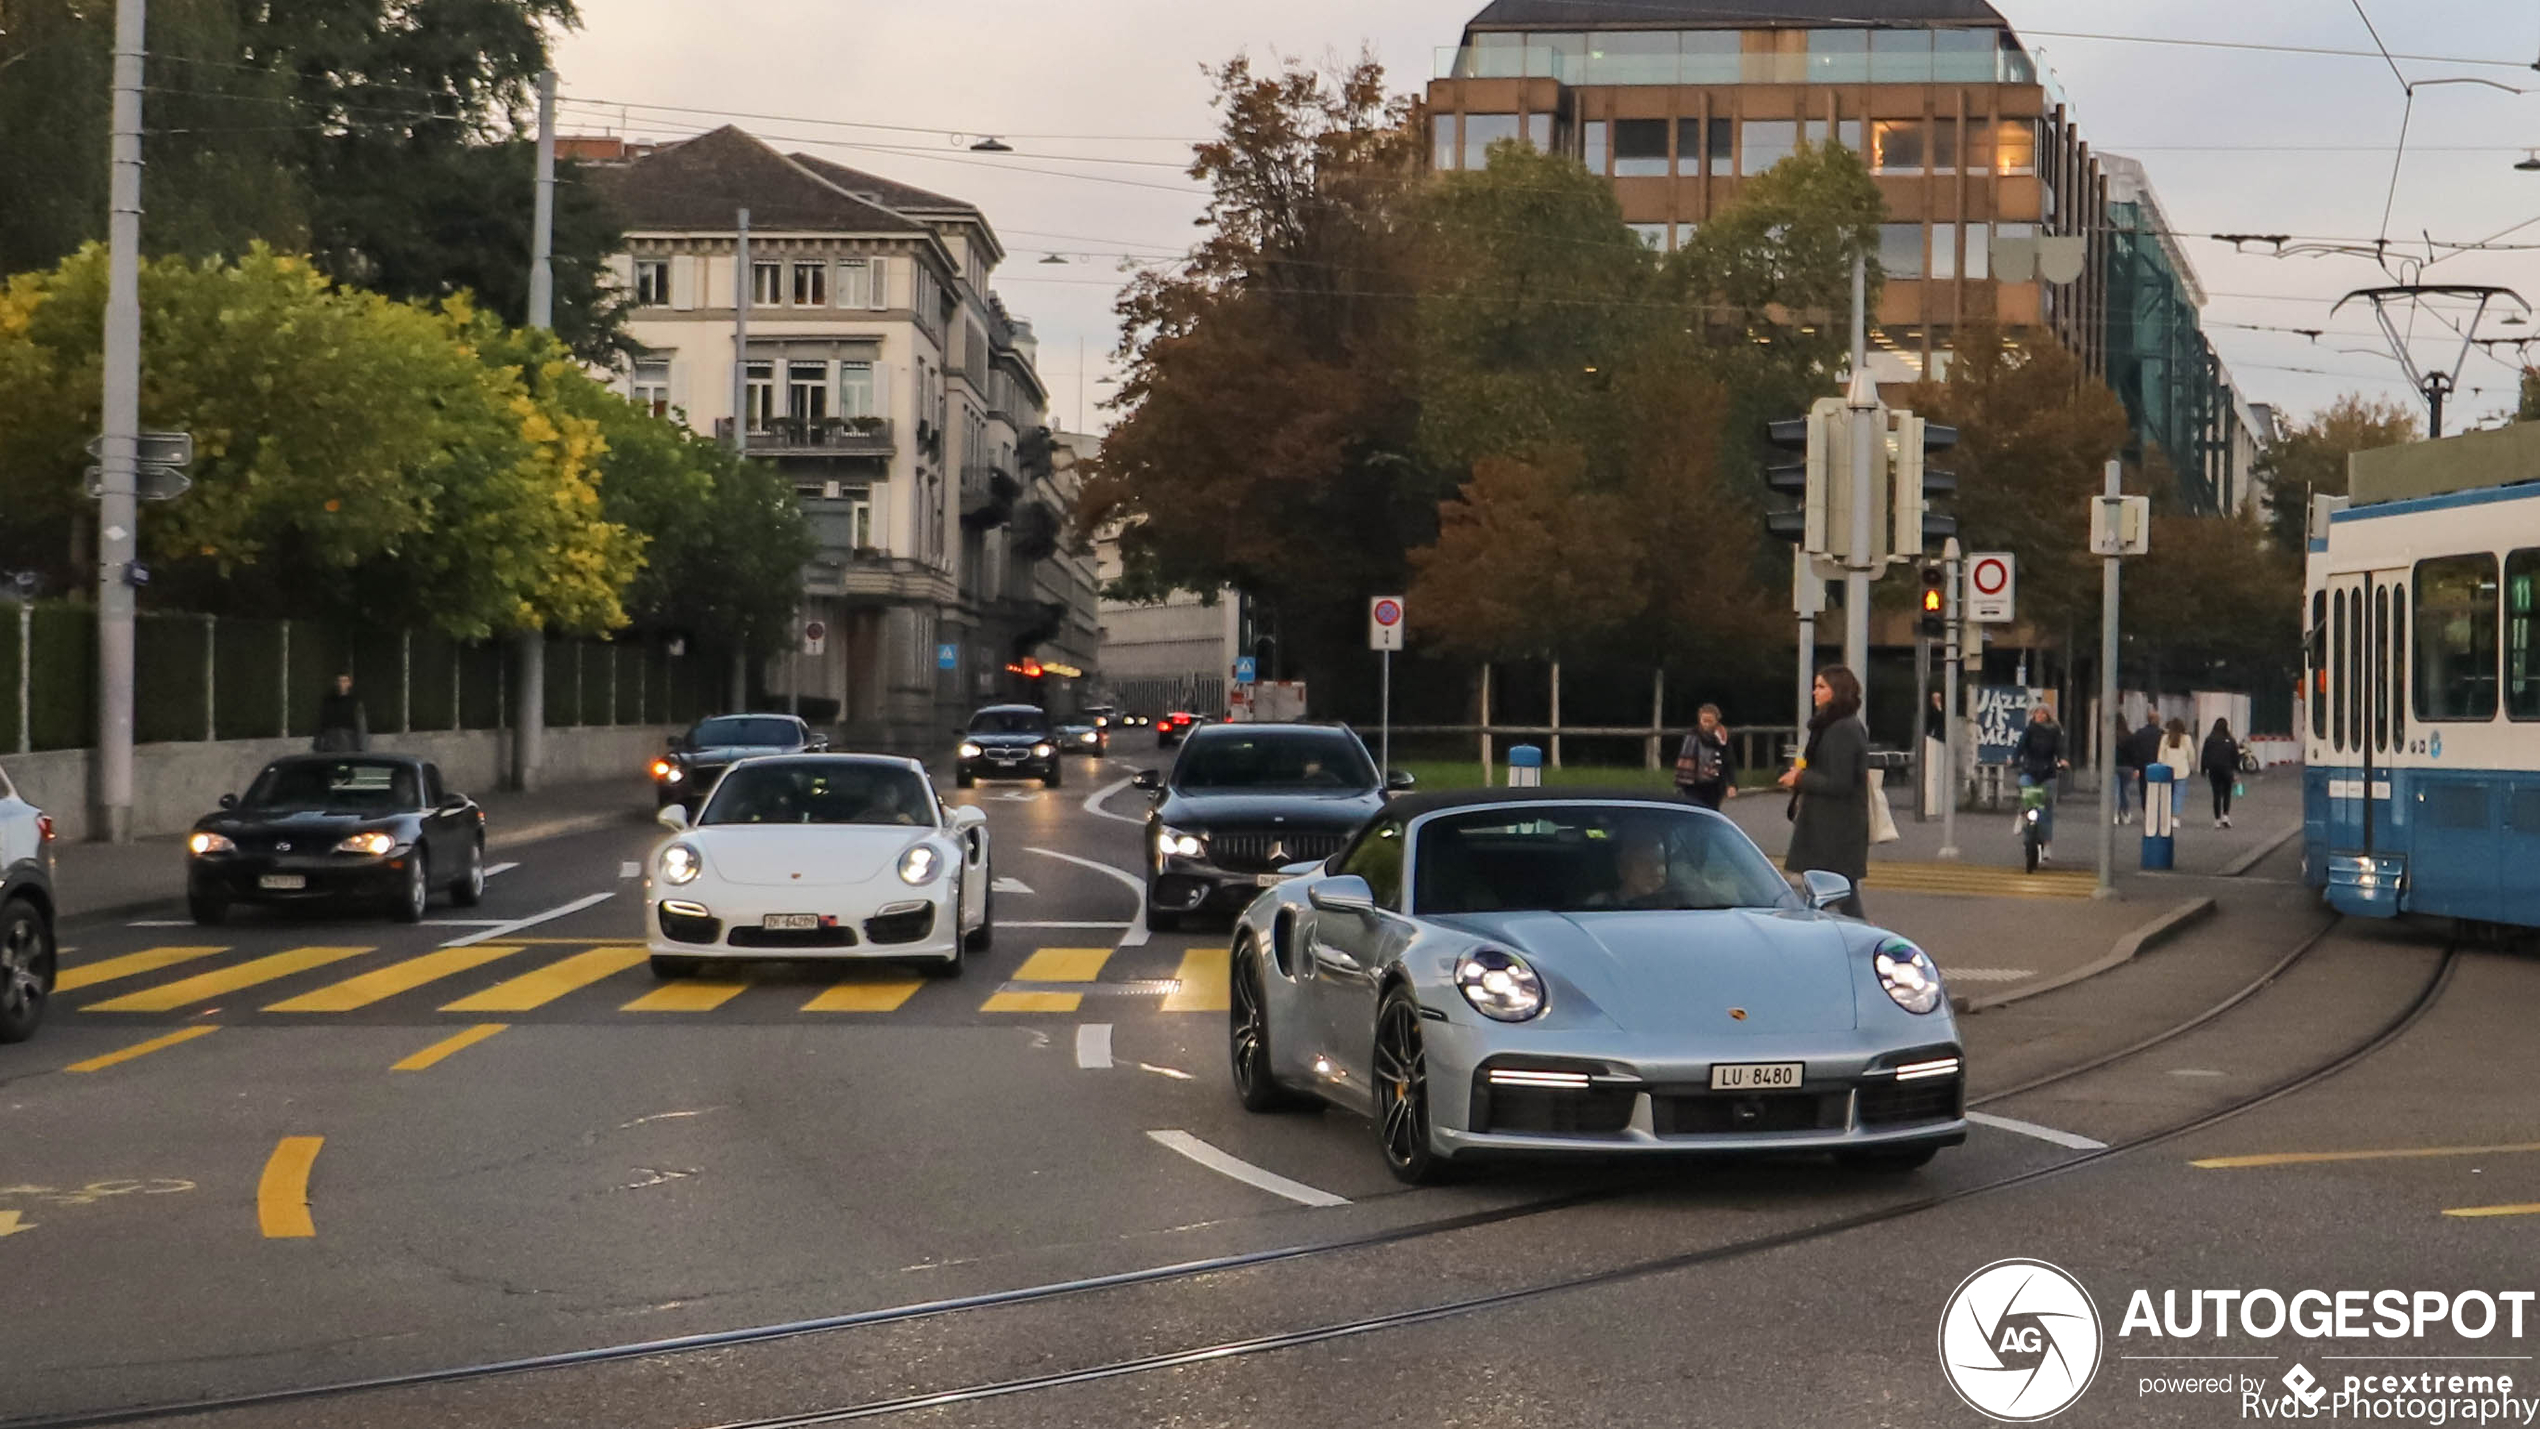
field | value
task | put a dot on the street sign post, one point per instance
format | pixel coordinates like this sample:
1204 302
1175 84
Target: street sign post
1992 587
2120 525
815 636
1246 670
1384 635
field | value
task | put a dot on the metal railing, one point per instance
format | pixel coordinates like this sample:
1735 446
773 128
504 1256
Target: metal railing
828 436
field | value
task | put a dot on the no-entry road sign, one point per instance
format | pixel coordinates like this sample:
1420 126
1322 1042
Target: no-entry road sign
1992 586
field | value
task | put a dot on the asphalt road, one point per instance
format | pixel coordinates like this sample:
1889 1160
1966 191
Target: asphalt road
300 1150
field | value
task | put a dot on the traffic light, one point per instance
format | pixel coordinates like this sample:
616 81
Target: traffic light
1935 602
1821 525
1911 441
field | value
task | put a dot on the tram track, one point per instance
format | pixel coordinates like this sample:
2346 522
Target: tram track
1640 1268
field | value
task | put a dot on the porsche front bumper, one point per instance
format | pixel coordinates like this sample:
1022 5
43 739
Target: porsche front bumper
856 922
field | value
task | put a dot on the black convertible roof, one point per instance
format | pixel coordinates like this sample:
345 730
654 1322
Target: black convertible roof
1412 806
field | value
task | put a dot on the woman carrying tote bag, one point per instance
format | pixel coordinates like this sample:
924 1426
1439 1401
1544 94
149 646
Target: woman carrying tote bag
1830 788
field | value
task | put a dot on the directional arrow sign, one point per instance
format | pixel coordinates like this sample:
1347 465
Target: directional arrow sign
10 1224
154 448
155 481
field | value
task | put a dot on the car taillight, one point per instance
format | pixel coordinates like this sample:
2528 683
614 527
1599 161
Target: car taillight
44 827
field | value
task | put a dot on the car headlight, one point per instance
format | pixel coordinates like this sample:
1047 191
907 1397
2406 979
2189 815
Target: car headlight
969 750
1908 975
1499 985
664 769
920 864
1043 751
377 841
211 843
681 863
1169 839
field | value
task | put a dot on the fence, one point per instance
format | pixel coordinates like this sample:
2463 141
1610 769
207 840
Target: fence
200 678
1757 746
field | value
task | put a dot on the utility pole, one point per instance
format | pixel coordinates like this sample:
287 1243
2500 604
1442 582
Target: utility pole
1952 685
119 454
529 722
1808 598
2108 581
740 692
1866 433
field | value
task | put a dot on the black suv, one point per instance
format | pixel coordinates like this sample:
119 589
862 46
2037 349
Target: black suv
1008 742
1245 801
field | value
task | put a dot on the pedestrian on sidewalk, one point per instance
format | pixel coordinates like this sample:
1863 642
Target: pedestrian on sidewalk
2222 767
2129 771
2178 751
1830 788
2041 760
1706 769
2146 749
343 726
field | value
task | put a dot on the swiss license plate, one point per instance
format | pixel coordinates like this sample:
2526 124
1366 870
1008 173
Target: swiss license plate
1756 1076
1269 880
284 882
791 922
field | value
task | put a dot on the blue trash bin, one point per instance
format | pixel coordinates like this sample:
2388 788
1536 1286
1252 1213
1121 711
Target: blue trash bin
1525 767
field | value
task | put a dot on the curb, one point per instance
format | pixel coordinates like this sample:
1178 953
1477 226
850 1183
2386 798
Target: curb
2251 859
2150 935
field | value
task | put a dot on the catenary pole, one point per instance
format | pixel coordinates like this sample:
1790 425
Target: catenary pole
740 692
118 455
2108 582
529 722
1864 399
1953 686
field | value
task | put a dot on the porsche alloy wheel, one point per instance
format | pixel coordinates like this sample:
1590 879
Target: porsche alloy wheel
26 969
1402 1093
1248 1036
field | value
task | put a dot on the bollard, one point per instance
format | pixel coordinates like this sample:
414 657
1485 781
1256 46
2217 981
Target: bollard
1525 767
2160 843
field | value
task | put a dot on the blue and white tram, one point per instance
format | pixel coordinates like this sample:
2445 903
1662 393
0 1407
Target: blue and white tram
2421 782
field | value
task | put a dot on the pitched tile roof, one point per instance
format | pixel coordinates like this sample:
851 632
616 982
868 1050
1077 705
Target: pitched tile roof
699 183
906 198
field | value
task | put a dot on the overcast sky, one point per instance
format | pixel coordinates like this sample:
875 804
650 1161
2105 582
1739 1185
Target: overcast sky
2236 141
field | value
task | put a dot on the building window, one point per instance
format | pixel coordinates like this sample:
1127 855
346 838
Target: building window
1539 132
759 393
807 391
1710 57
1721 146
1966 56
1979 262
1442 141
1944 250
652 385
855 284
1632 57
2455 675
811 285
652 282
1652 236
1640 148
2522 635
1846 132
1901 250
1592 145
1483 130
2015 146
1900 56
1767 142
1897 146
767 284
856 396
1838 57
1944 145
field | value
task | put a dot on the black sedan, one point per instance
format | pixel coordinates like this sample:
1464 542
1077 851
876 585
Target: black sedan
1245 801
1083 739
358 828
1008 742
686 774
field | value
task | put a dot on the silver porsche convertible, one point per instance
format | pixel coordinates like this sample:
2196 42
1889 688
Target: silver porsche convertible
1541 971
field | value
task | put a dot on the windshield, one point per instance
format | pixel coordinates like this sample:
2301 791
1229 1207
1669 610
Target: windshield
342 786
1288 759
1570 858
1009 722
839 793
724 731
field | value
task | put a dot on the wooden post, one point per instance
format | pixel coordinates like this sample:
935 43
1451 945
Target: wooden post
405 682
26 676
1487 761
285 730
1657 712
211 673
612 684
1556 714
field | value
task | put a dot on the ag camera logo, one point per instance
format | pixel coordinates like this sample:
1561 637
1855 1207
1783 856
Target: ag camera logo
2019 1341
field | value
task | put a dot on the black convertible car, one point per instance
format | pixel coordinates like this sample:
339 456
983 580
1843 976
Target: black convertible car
371 828
686 774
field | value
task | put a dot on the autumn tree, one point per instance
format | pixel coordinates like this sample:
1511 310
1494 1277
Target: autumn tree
2308 458
2215 603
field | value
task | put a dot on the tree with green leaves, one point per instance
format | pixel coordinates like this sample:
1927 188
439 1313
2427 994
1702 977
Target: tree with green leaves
2308 458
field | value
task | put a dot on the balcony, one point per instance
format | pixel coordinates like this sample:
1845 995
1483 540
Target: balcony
869 577
817 436
987 498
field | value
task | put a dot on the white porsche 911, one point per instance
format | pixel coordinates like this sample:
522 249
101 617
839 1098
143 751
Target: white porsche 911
819 856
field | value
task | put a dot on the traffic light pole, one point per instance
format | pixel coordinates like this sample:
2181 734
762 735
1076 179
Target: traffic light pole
1952 684
1863 400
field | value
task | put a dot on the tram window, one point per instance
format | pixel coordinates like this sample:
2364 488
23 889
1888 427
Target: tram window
2342 671
2455 665
2380 663
2399 668
2317 696
2522 634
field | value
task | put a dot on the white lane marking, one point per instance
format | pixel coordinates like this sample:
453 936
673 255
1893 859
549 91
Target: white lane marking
1175 1073
1093 1045
499 930
158 923
460 922
2194 1072
1094 802
1221 1163
1986 974
1012 796
1019 923
2042 1133
630 869
1012 885
493 869
1137 934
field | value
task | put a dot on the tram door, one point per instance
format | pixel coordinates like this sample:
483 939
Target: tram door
2367 712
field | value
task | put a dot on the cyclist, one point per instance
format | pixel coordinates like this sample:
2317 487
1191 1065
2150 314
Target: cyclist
2040 757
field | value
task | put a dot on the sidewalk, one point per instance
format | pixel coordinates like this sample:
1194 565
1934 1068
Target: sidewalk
97 878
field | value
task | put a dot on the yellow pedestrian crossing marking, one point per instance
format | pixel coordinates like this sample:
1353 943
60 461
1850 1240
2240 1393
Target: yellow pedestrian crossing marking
203 987
687 995
1978 880
435 1053
858 994
1050 965
1202 982
367 988
148 960
534 990
141 1049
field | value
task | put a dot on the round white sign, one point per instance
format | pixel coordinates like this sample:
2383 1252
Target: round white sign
1989 576
2019 1341
1388 612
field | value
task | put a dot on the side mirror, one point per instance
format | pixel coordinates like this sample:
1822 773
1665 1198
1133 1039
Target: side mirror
1346 893
229 801
1399 780
678 742
673 817
1825 889
960 730
968 816
817 744
451 804
1147 779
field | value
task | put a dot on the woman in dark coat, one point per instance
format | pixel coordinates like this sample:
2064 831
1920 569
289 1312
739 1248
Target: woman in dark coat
1830 804
2221 760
